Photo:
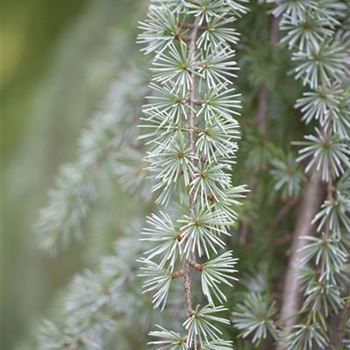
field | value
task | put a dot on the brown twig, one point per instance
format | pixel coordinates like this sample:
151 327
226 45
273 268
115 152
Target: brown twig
191 126
196 266
177 274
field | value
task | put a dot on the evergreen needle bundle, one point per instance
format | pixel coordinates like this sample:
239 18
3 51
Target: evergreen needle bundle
189 122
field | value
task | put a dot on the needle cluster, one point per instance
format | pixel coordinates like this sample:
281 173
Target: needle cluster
191 131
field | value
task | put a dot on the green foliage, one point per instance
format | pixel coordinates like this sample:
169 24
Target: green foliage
326 153
100 148
306 337
255 317
315 36
191 147
190 134
168 340
216 272
288 176
202 326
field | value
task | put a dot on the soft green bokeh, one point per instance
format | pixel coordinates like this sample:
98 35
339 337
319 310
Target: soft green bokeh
58 60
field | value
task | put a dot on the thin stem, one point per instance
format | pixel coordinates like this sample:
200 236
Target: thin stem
177 274
331 199
191 125
196 266
191 92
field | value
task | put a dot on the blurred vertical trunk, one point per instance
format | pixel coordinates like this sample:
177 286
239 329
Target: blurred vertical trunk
337 325
310 203
261 122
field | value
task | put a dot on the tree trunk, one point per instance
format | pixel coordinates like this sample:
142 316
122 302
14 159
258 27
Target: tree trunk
310 203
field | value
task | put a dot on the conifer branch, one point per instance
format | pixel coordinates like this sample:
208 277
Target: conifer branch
191 134
190 153
314 34
101 146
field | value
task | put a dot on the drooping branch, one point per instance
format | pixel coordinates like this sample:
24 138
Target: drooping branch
192 140
313 35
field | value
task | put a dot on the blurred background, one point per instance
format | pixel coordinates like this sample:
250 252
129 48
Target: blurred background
59 58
